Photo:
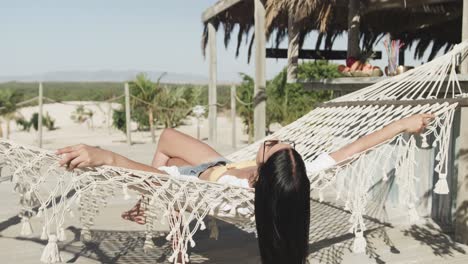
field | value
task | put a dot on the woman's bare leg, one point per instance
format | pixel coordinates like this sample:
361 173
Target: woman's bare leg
178 162
174 144
174 149
137 213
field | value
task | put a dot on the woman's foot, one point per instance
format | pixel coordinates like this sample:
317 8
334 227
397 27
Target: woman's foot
136 214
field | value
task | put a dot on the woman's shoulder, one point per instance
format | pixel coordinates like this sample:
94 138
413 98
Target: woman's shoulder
241 164
322 162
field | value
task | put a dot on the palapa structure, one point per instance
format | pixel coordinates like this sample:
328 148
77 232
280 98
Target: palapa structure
419 22
415 22
435 25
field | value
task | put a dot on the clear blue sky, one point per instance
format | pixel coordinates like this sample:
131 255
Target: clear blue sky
39 36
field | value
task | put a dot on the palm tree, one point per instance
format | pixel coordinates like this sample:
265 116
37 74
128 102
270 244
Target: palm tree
147 93
246 109
172 107
8 100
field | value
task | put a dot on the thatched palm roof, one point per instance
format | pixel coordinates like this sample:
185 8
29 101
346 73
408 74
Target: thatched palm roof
416 22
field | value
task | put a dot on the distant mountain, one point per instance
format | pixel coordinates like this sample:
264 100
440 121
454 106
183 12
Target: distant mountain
105 76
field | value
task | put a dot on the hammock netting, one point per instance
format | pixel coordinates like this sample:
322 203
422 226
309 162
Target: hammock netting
185 202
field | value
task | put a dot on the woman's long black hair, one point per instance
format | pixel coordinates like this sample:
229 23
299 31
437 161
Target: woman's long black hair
282 208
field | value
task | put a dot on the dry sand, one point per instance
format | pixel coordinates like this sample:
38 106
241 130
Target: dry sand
119 241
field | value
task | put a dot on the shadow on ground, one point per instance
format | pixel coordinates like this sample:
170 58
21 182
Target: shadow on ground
329 241
429 235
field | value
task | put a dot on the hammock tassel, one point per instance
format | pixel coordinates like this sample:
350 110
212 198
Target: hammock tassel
125 192
441 186
214 229
169 236
85 235
26 228
424 143
202 225
360 244
51 252
149 244
61 234
39 212
233 210
192 242
44 233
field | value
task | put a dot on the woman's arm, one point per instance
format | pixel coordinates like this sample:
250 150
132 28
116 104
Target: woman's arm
412 124
81 156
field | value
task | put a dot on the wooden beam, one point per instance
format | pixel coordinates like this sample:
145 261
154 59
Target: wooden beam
314 54
212 96
354 22
218 8
351 84
293 48
462 102
377 5
260 73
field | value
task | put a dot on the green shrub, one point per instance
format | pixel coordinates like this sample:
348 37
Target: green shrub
119 120
81 114
286 102
24 124
47 121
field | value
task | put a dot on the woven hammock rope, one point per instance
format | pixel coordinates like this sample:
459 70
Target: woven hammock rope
39 180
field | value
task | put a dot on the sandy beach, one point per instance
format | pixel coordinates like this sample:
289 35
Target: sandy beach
119 241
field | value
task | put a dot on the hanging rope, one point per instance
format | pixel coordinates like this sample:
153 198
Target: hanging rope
23 103
242 102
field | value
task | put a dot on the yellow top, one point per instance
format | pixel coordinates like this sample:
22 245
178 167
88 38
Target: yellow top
218 171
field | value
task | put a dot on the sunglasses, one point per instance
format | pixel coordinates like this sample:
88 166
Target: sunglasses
271 142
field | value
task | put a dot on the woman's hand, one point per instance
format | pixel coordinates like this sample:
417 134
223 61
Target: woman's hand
416 123
412 124
81 156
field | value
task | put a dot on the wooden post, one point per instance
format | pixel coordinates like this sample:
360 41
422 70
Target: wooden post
461 215
293 48
260 78
127 114
151 123
233 116
109 116
464 65
461 165
39 121
212 100
401 56
354 19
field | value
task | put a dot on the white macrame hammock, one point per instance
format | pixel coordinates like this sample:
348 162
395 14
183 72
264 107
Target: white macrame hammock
431 88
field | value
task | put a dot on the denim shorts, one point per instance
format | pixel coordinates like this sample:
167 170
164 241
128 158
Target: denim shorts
195 171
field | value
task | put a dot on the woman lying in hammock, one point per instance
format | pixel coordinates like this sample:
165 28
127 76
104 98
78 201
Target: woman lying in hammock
282 189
